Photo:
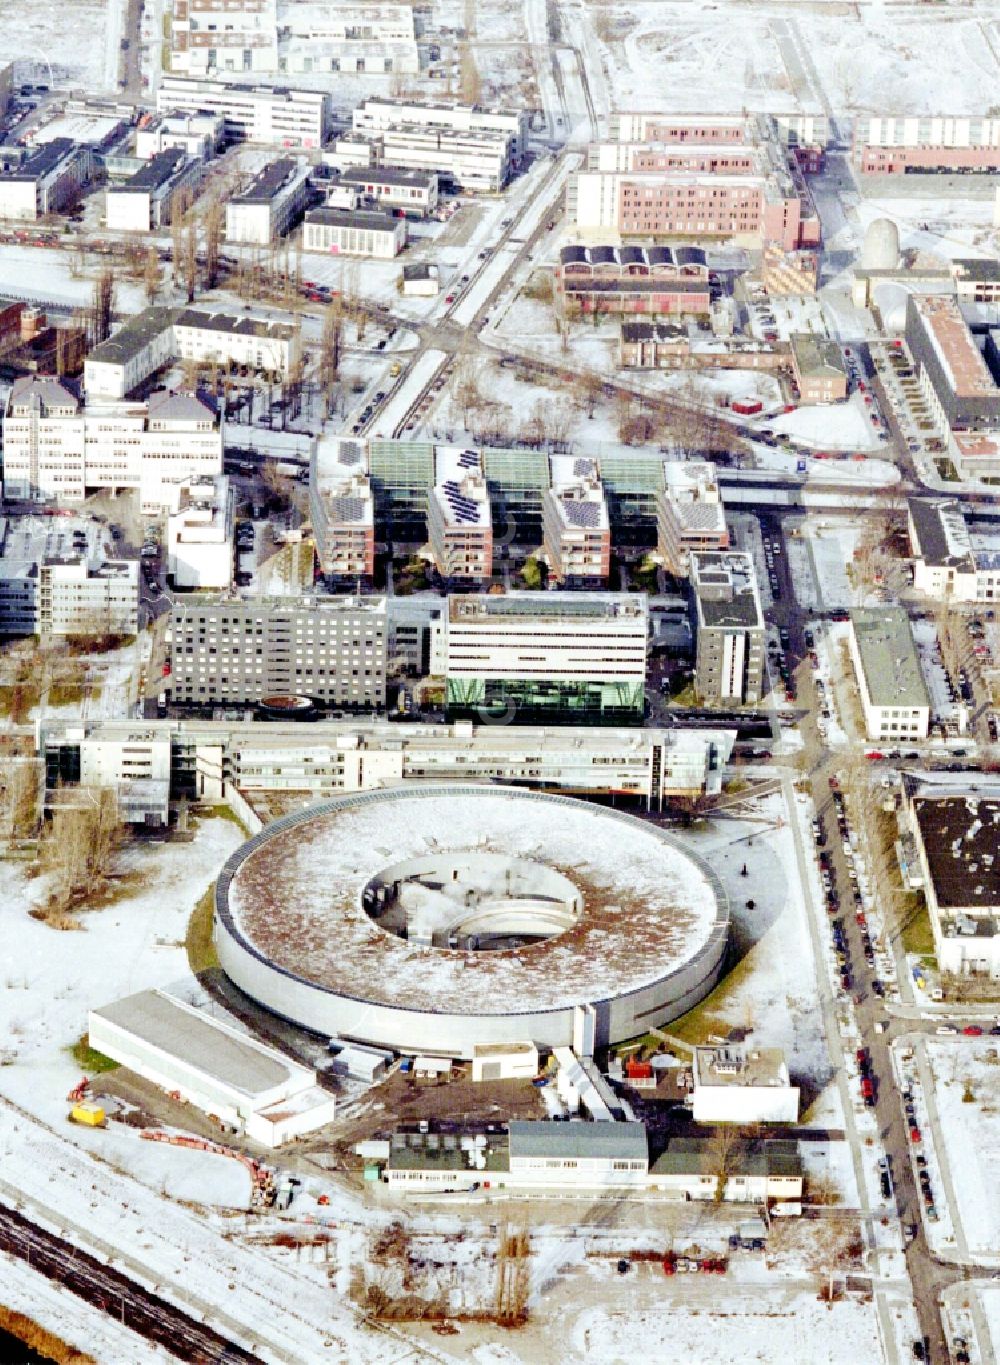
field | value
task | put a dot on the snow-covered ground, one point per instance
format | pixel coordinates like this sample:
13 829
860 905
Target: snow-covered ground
71 1319
831 546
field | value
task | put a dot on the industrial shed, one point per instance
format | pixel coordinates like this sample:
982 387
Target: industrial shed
212 1065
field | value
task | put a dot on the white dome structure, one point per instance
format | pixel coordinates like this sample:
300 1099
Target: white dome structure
881 246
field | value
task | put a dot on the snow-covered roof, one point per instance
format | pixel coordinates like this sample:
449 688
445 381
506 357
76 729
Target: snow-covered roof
293 895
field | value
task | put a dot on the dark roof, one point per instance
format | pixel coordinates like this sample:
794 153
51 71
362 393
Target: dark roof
603 253
649 331
968 269
228 322
961 838
689 255
373 221
159 170
134 336
387 175
695 1156
573 253
632 284
925 513
269 183
546 1138
44 160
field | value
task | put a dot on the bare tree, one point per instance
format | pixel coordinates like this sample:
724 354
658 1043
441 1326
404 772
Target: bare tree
19 797
212 228
81 846
189 269
152 275
102 307
329 353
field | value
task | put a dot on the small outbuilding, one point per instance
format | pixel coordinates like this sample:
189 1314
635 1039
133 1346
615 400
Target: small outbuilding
504 1061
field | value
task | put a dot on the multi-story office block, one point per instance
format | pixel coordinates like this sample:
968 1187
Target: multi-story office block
147 198
894 695
966 144
547 657
252 113
200 534
576 526
458 521
55 448
690 516
342 509
331 649
362 39
379 114
271 206
48 180
80 598
223 35
729 629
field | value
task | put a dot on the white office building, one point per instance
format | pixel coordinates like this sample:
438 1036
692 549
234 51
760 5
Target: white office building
949 561
197 135
742 1083
274 115
200 534
894 696
80 597
57 449
272 204
382 114
46 181
146 200
209 36
459 521
356 39
392 187
228 341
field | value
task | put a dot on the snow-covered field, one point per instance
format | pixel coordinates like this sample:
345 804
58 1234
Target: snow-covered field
967 1094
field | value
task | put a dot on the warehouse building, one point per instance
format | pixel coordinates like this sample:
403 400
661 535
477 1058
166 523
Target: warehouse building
894 695
213 1066
760 1170
330 649
729 629
271 206
341 232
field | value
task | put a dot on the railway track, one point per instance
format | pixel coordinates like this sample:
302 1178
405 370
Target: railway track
115 1294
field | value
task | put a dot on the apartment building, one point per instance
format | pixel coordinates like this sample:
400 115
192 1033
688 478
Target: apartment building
196 135
547 657
56 448
948 563
819 368
575 523
381 114
146 200
356 39
342 509
954 377
729 629
659 281
894 695
200 533
414 193
690 517
331 649
341 232
966 144
252 113
47 180
271 206
458 520
207 36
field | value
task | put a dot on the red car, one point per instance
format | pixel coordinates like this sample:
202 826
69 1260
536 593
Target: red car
449 298
972 1031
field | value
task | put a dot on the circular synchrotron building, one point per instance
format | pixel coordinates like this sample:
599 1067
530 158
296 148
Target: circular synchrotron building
432 919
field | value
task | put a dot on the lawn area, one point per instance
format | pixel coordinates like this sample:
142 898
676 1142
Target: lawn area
918 937
709 1015
198 940
89 1058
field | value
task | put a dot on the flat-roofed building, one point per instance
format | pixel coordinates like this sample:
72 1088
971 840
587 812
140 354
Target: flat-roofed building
197 135
537 657
585 1155
209 36
894 695
954 377
332 649
378 114
948 560
458 520
658 281
413 192
146 199
915 144
87 598
956 834
213 1065
421 279
200 534
47 180
819 368
277 115
342 509
759 1170
742 1083
271 206
976 280
359 39
729 628
342 232
690 516
575 522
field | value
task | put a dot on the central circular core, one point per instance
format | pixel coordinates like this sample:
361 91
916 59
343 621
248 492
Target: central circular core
476 902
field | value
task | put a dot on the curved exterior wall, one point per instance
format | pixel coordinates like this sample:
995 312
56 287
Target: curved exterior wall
333 1013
